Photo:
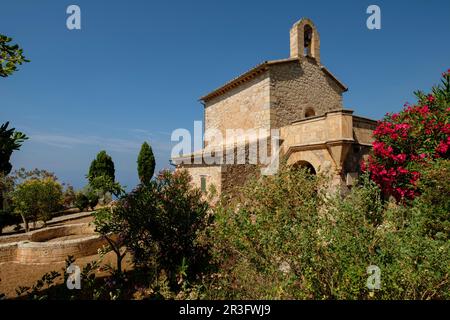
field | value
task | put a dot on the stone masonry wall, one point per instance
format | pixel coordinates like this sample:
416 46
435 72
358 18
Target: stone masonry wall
297 86
212 173
363 130
245 107
357 154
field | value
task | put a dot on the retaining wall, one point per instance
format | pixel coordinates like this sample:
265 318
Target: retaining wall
33 247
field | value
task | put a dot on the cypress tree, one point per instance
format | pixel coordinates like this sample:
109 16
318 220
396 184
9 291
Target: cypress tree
146 164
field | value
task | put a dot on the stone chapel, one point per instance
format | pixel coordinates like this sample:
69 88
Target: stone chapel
303 100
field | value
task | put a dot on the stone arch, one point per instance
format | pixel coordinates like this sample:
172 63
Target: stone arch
305 164
305 40
319 159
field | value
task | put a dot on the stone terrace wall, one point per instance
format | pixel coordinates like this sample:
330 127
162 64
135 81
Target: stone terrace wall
8 252
61 231
32 248
58 251
363 130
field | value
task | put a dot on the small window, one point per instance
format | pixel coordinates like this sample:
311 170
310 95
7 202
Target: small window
203 184
309 113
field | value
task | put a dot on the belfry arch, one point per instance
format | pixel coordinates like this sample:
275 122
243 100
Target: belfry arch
305 40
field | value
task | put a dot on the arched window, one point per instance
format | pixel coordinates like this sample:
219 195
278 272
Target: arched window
309 113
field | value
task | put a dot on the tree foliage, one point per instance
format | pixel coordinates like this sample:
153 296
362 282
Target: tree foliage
87 198
160 223
101 175
37 198
113 227
11 55
146 163
101 166
81 201
69 197
10 140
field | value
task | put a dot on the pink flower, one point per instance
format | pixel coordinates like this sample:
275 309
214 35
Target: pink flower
442 148
363 166
402 170
425 109
400 158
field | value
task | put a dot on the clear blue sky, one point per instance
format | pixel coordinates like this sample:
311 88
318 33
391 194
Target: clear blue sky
137 68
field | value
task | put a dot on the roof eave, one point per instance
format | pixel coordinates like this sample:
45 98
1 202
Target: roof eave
255 71
328 72
250 74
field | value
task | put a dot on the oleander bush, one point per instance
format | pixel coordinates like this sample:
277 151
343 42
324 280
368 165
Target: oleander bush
405 140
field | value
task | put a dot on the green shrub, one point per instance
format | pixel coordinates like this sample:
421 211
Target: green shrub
81 201
93 198
163 221
283 239
413 265
262 241
435 199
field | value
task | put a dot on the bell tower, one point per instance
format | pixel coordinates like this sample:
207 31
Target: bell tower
305 40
